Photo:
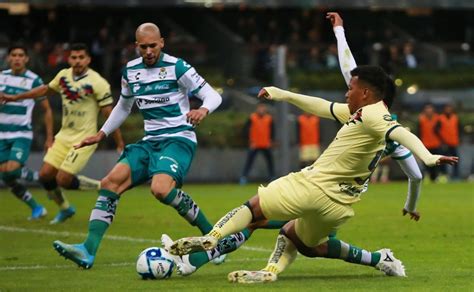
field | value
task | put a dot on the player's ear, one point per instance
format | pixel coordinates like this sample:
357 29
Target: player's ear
162 43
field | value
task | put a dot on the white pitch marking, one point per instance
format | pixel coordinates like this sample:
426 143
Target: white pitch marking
111 237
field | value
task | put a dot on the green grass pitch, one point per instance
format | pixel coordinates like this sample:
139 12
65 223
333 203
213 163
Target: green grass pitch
437 251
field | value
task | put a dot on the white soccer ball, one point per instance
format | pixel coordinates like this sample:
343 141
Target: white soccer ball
155 263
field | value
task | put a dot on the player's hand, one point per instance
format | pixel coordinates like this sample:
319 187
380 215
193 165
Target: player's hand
264 94
91 140
451 160
120 147
413 215
6 98
48 143
335 18
196 116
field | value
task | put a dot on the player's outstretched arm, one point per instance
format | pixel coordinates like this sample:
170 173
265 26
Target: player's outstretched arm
34 93
106 111
314 105
413 172
407 139
344 54
48 123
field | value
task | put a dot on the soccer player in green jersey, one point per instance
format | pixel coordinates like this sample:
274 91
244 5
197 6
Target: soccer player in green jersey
84 93
15 126
159 85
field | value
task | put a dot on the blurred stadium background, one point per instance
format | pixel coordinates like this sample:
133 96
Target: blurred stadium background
235 45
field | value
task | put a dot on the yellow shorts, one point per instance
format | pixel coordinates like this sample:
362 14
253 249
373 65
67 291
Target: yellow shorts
62 155
309 152
294 197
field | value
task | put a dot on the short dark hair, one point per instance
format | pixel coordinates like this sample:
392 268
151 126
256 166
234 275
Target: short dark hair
379 80
80 47
15 46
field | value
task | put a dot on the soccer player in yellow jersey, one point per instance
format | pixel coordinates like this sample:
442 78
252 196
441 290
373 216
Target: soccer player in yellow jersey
84 93
317 200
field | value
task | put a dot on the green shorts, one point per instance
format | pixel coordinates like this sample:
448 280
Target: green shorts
15 149
146 158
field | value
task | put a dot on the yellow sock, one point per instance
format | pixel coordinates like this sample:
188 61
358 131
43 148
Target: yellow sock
233 222
283 255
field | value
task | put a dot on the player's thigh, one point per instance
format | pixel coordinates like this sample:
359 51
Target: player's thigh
327 216
173 158
286 198
20 150
136 157
57 154
119 179
76 159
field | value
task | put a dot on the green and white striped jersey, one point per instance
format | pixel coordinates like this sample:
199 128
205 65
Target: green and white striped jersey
15 117
161 94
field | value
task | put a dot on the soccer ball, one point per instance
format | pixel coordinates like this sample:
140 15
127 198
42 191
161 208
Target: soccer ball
155 263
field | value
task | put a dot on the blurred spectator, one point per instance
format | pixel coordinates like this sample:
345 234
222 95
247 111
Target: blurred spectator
260 132
313 61
331 57
308 137
58 57
410 61
429 135
381 172
449 132
38 59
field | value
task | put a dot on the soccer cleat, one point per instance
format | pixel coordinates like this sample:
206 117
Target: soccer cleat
75 252
250 277
38 212
219 260
390 265
183 266
63 215
86 183
189 245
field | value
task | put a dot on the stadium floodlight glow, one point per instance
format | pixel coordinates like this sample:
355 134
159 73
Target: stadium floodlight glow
210 3
398 82
412 89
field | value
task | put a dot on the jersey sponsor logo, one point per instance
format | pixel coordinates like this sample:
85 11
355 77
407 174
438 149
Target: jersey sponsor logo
136 87
350 189
157 100
137 76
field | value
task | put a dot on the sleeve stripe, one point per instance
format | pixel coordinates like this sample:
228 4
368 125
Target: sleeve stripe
332 112
390 131
102 99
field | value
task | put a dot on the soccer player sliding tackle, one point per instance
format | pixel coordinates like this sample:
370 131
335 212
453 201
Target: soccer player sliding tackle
333 248
318 199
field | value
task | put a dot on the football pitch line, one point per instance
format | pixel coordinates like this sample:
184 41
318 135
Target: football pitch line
124 264
110 237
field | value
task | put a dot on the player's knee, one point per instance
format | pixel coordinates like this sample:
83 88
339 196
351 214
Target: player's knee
159 191
416 177
11 175
64 180
46 176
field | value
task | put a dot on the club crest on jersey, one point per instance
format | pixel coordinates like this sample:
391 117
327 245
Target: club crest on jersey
136 87
162 74
356 117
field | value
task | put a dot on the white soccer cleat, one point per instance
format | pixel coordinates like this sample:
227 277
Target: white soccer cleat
189 245
251 277
183 266
219 260
390 265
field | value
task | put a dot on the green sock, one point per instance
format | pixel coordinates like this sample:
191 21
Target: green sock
101 217
22 193
188 209
226 245
274 224
338 249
